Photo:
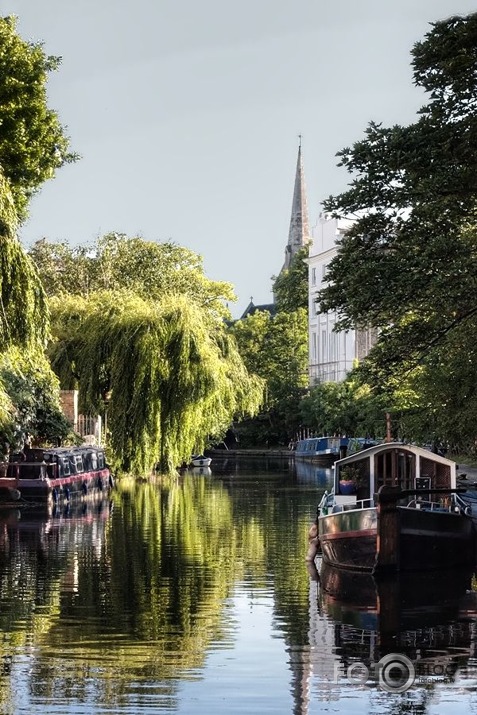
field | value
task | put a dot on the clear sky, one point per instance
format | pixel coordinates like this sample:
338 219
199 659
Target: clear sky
186 114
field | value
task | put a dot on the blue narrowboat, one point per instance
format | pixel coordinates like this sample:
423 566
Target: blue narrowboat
321 449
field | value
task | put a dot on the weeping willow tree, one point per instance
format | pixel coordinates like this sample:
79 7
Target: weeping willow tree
7 413
171 378
33 145
23 309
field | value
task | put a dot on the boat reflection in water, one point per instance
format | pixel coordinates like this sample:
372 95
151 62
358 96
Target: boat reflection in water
51 531
308 472
407 630
196 471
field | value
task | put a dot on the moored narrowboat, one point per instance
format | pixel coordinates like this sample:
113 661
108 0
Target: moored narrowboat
321 449
56 473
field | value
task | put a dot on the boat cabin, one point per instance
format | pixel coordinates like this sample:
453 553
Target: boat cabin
56 462
360 476
321 446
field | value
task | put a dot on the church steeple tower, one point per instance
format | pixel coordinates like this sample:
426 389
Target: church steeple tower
299 233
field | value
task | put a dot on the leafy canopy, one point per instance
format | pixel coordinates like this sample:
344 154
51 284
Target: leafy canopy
169 379
115 262
291 286
33 392
32 141
411 248
23 308
32 146
408 263
351 407
276 349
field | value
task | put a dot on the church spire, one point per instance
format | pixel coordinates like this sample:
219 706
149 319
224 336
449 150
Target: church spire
299 233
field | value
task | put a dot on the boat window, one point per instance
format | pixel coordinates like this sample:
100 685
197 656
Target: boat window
406 470
395 468
100 460
93 460
439 473
78 462
65 467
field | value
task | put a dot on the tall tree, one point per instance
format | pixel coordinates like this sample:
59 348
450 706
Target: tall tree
32 141
33 389
276 349
408 263
32 147
171 381
23 309
410 252
347 408
150 269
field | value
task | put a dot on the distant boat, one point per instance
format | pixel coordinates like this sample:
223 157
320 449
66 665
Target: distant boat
321 449
394 507
198 460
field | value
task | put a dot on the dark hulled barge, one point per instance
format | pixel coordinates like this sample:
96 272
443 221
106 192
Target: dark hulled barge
55 474
394 508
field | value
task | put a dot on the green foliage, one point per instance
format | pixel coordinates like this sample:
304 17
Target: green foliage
7 416
23 310
33 393
32 146
408 263
171 381
347 408
147 268
64 269
137 324
32 141
275 349
414 192
290 288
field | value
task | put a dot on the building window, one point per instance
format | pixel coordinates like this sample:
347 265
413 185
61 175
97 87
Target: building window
313 276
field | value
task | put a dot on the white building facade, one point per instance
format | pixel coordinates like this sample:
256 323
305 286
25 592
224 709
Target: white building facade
331 354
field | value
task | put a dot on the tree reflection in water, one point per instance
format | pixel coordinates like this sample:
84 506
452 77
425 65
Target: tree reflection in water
118 605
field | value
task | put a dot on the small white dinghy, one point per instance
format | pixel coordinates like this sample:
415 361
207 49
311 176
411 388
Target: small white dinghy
198 460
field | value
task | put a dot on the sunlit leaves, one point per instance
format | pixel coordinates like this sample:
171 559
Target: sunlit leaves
30 404
32 141
23 310
169 379
150 269
408 265
276 349
290 288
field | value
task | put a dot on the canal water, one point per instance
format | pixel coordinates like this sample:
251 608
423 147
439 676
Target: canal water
192 596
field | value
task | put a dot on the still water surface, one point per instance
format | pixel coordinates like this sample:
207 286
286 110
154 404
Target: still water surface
192 596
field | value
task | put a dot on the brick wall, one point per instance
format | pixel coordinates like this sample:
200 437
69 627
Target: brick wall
69 404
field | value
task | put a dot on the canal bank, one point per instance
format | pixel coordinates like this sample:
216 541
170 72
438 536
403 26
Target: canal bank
224 453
